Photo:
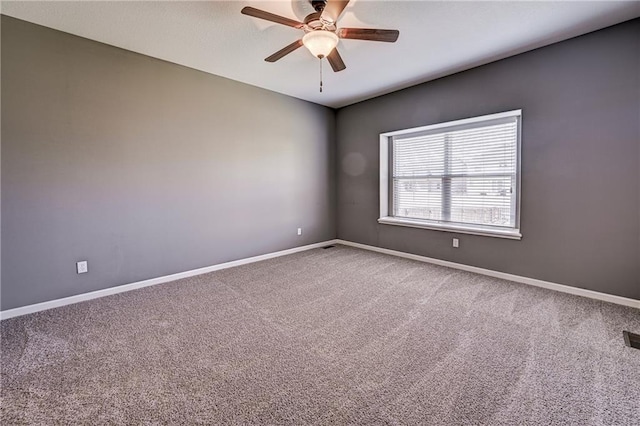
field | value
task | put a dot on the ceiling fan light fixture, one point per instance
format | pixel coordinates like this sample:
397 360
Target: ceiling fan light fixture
320 42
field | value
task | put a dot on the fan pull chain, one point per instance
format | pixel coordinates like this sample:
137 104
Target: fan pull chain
320 75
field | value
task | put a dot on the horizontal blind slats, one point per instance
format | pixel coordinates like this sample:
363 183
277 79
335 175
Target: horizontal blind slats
471 173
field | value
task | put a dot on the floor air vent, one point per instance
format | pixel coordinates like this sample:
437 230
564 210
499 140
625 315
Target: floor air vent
327 247
631 340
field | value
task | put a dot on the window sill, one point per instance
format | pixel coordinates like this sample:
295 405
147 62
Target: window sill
513 234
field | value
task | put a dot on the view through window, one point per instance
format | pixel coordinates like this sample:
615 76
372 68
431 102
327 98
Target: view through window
457 175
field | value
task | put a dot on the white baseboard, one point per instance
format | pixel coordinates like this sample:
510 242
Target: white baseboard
516 278
23 310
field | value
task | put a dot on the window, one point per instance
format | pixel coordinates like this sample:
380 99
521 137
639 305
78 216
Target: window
461 176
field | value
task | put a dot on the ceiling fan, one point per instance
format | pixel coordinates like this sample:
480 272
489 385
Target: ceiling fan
321 33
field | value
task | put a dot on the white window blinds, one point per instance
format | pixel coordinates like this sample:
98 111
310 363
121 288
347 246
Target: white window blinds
466 173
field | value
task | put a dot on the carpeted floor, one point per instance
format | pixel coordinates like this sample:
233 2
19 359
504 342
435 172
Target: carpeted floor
336 336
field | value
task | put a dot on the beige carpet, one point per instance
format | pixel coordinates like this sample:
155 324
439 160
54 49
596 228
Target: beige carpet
336 336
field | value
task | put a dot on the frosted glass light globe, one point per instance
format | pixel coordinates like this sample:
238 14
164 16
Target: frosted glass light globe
320 42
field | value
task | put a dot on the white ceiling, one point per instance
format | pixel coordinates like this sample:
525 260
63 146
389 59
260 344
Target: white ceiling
436 37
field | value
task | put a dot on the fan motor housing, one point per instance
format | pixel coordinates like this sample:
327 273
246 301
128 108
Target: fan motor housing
313 22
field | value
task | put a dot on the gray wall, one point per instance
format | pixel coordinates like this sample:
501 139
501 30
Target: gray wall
580 153
145 168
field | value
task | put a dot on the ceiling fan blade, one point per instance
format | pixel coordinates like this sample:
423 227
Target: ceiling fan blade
284 51
372 34
336 61
333 9
257 13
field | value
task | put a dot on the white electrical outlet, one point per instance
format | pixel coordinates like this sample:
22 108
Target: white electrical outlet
299 231
82 267
456 243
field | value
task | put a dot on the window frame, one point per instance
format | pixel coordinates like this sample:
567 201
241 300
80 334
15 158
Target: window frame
386 178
